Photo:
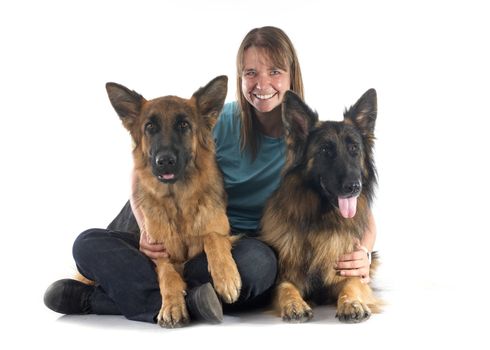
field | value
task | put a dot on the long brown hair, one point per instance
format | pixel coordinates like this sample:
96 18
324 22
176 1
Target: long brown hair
281 52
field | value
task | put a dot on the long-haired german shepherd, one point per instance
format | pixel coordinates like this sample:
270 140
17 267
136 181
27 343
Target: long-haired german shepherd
179 188
321 207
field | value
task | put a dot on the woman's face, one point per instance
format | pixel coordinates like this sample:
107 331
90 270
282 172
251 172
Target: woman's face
263 84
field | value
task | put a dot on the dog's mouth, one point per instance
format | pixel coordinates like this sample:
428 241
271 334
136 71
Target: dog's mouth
347 205
166 166
167 178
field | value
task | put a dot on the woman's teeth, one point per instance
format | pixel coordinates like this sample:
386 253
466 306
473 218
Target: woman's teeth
264 97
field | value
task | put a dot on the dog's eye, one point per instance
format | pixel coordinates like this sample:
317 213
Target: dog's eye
183 125
328 149
149 127
353 148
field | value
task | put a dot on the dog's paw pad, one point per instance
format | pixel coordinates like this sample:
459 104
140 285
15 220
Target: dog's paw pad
297 312
228 287
173 316
353 312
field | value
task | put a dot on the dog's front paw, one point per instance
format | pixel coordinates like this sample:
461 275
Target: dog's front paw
353 312
173 314
296 311
227 283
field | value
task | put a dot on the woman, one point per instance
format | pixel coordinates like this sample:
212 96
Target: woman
250 151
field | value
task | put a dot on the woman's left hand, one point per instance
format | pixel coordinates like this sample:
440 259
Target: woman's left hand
355 264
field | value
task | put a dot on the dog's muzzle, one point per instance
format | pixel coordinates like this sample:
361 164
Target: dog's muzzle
165 166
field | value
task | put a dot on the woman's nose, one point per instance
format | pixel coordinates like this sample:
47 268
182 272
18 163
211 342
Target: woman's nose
263 81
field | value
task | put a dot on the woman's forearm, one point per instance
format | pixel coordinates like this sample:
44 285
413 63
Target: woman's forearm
369 237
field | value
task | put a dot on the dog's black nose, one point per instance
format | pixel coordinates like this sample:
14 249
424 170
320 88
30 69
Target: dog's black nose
351 187
166 159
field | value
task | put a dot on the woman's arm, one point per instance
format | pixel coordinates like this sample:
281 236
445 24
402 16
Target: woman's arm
369 237
358 262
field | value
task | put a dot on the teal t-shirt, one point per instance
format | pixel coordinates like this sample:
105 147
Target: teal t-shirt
248 183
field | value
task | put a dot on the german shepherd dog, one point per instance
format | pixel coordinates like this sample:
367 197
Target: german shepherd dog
179 188
321 208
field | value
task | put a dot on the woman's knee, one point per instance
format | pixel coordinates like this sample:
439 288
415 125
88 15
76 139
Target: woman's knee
257 265
87 242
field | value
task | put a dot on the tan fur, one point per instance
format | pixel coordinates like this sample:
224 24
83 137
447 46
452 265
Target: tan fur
302 255
81 278
189 216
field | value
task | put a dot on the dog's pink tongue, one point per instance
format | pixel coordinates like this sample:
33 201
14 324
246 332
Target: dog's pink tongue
347 207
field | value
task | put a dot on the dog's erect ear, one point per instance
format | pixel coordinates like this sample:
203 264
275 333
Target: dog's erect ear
127 103
210 99
363 113
297 117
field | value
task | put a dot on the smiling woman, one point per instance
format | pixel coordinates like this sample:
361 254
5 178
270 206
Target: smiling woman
263 84
267 66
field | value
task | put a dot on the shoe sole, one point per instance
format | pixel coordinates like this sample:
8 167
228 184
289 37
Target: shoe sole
209 305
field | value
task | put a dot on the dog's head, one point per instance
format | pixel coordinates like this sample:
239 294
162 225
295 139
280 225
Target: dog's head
168 131
335 156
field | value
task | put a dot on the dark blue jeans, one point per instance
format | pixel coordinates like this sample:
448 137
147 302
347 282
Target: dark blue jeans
127 282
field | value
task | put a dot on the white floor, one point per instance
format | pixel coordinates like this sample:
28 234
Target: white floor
420 316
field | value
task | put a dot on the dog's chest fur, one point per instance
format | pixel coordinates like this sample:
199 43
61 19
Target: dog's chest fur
166 224
311 256
179 217
311 242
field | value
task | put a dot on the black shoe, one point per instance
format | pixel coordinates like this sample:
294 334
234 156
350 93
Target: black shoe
203 304
68 296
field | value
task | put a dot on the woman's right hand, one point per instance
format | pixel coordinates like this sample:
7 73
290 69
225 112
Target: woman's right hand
151 250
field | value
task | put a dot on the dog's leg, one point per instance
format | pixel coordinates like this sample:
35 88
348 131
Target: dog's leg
354 300
290 303
222 267
172 287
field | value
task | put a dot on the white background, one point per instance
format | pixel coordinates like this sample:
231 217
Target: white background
65 158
